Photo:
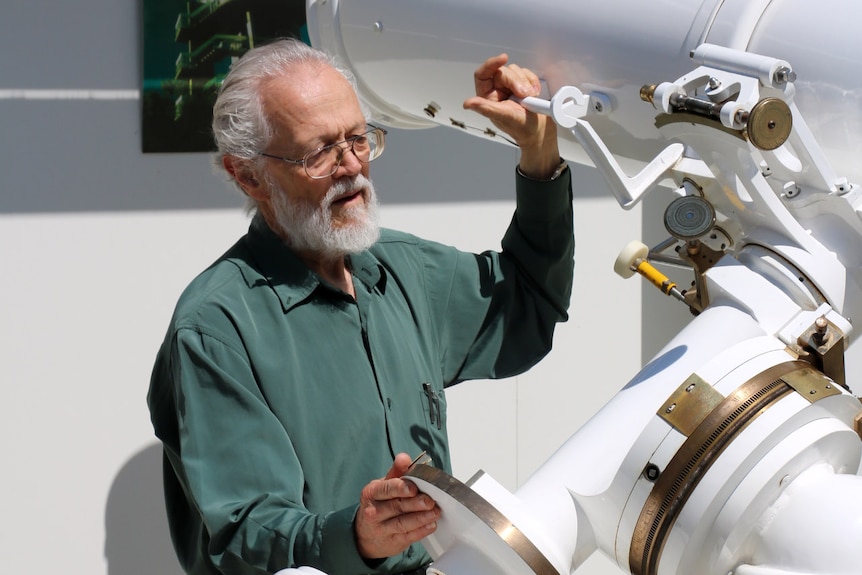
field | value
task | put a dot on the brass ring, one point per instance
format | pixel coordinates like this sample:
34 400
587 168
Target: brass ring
694 458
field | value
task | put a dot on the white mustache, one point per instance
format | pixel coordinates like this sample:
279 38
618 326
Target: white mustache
345 187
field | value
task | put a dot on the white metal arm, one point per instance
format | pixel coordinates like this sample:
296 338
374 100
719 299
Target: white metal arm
567 107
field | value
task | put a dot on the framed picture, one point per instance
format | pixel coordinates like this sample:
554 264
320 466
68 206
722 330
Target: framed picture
189 46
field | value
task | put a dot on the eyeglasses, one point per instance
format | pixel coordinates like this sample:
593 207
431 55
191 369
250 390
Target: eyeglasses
324 161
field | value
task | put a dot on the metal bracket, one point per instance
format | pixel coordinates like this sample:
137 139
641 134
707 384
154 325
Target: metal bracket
689 405
811 384
822 345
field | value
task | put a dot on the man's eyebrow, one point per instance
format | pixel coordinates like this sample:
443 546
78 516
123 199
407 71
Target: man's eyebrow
357 130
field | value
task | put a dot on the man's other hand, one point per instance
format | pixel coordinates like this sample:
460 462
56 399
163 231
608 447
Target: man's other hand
393 514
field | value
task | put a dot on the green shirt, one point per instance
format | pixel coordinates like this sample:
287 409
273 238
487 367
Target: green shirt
277 397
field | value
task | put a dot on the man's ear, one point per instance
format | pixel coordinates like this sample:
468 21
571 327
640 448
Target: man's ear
245 175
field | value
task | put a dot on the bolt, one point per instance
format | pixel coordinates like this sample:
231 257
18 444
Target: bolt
714 83
651 472
821 333
431 109
670 408
842 185
378 26
791 190
784 75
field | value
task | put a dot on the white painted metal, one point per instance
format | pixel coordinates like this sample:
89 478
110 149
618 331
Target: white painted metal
409 54
789 215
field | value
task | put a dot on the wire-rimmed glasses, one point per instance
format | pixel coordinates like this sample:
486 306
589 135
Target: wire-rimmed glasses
324 161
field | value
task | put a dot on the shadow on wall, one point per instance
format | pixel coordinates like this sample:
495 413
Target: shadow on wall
137 540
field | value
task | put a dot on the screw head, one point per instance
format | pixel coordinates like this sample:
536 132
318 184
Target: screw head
652 472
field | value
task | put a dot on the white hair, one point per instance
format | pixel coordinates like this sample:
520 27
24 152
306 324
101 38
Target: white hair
307 226
240 127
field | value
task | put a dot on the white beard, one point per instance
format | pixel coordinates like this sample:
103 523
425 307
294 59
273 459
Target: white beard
308 227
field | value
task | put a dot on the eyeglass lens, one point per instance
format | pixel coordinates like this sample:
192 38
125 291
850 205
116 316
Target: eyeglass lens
326 160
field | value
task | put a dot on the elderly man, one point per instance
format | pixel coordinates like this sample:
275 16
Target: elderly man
313 355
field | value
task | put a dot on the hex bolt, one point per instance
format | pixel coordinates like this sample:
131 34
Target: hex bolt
784 75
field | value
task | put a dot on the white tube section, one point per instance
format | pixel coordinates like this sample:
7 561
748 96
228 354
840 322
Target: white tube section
815 527
414 60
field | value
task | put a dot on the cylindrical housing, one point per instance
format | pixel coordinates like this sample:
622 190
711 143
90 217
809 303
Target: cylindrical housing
414 60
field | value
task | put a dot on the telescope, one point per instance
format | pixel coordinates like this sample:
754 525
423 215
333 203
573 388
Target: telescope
736 449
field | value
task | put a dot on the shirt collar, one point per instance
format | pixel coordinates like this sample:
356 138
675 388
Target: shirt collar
290 278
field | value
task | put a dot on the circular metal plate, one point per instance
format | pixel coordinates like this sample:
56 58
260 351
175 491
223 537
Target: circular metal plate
689 217
769 124
469 518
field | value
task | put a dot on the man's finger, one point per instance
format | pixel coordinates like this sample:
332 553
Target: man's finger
486 71
411 523
408 509
399 466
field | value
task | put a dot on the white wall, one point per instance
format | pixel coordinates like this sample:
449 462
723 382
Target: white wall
85 301
98 240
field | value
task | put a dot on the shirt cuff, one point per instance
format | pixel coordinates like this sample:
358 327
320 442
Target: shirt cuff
543 200
562 167
338 547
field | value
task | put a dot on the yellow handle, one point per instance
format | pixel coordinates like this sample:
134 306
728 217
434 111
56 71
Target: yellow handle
655 277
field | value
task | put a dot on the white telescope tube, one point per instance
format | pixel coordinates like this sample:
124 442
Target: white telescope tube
414 60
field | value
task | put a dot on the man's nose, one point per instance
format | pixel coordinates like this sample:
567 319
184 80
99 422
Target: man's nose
350 163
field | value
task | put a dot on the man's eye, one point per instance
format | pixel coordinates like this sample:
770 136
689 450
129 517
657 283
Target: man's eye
319 156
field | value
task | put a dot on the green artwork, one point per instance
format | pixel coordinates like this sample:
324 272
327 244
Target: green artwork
188 48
